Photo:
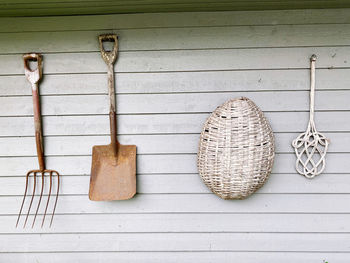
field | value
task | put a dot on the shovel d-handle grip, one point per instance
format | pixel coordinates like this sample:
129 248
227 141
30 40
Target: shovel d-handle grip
34 76
109 56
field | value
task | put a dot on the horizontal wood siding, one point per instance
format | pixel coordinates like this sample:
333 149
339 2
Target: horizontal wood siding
172 71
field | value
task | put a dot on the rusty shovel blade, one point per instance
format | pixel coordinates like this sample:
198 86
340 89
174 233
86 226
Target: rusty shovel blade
113 177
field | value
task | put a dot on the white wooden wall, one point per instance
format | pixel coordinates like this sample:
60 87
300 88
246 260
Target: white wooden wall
173 70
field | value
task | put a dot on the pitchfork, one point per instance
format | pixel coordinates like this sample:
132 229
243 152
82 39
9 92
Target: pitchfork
34 76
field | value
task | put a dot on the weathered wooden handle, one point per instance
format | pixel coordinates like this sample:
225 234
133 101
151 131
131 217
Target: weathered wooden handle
109 56
33 76
312 88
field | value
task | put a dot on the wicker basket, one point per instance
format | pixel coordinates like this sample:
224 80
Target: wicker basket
236 149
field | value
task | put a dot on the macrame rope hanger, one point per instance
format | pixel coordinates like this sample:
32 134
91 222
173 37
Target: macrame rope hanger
311 146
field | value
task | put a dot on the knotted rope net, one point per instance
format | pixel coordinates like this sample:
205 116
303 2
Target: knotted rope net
311 146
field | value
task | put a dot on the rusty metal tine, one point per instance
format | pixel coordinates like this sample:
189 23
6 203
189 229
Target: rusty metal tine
31 201
48 200
58 188
24 197
41 195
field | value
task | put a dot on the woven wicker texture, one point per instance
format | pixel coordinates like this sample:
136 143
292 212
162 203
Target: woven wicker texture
236 149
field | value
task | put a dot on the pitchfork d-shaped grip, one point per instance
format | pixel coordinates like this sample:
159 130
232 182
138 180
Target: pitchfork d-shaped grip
33 76
109 56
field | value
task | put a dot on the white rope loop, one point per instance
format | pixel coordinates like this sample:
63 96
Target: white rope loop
311 146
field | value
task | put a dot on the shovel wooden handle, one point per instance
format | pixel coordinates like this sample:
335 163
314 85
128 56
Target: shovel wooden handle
110 57
34 76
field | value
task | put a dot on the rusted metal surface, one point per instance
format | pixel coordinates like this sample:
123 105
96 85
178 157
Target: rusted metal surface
34 76
113 170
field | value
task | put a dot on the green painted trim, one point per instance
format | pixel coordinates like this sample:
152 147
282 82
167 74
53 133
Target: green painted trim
79 7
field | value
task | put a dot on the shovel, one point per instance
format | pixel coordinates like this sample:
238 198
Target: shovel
113 170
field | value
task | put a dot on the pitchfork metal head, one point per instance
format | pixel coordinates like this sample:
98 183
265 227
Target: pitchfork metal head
32 177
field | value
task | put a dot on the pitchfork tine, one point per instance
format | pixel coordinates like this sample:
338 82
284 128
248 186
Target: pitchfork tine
31 201
41 195
48 200
58 188
24 197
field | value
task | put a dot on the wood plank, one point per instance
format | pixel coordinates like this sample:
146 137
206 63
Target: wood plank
163 123
167 38
185 257
159 164
172 103
194 223
191 203
175 82
191 183
146 144
177 242
186 60
123 21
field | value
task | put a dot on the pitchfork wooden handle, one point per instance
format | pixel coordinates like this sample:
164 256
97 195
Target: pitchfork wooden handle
34 76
